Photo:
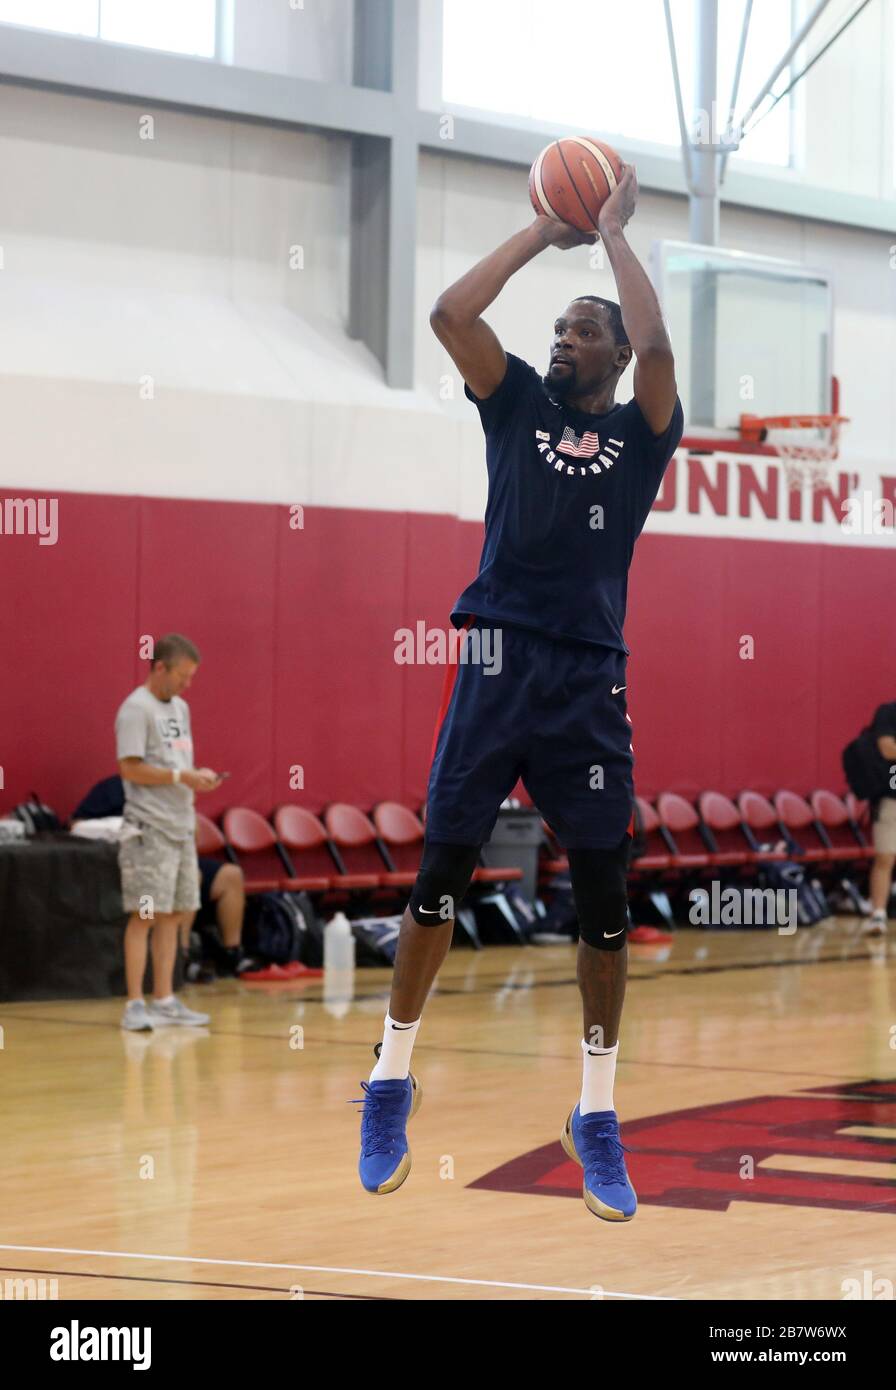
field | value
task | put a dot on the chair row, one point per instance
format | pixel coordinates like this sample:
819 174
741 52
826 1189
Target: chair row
821 830
682 838
344 851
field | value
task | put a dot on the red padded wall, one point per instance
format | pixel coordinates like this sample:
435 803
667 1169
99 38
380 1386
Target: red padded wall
297 630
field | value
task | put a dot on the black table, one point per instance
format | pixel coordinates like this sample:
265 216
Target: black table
61 919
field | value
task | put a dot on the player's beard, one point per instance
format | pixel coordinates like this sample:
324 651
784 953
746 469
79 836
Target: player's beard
561 385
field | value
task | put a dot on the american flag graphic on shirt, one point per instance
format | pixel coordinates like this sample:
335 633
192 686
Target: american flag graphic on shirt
584 448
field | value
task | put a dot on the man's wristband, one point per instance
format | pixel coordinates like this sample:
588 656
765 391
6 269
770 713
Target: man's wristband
175 776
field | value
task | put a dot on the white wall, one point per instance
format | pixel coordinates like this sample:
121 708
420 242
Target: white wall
126 259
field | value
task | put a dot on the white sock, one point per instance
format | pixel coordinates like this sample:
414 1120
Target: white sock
598 1074
169 999
880 913
394 1061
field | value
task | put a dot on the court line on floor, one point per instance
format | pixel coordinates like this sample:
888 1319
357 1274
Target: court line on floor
196 1283
449 1048
329 1269
487 983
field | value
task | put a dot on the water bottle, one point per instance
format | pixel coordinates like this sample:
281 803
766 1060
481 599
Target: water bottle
339 945
339 966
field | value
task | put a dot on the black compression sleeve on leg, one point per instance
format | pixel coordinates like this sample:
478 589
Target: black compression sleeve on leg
600 893
443 879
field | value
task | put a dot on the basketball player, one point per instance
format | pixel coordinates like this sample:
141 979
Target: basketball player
572 477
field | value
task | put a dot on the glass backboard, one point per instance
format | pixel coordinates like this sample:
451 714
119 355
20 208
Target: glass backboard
751 334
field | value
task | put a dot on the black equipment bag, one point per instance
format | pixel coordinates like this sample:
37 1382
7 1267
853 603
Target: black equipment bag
281 927
35 816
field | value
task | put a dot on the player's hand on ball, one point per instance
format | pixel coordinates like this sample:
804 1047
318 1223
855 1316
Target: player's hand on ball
620 205
561 234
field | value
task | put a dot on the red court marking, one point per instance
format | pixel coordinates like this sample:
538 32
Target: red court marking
693 1158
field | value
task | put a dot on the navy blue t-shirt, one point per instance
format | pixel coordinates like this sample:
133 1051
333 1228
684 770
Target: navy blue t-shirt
568 495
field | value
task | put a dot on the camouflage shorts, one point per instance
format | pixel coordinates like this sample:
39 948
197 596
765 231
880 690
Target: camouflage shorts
158 875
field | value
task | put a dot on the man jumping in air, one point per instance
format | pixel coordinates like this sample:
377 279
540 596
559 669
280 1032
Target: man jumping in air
572 476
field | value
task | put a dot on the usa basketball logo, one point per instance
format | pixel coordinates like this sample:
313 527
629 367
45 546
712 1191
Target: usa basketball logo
574 446
584 448
692 1158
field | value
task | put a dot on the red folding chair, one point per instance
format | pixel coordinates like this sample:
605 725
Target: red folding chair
399 838
725 833
305 847
760 822
680 830
210 843
797 821
250 837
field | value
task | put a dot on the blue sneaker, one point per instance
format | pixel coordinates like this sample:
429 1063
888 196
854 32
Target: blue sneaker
593 1141
385 1157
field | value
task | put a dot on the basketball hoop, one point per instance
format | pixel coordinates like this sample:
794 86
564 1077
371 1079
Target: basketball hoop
809 444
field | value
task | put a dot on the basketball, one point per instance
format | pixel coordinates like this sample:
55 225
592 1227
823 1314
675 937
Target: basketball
572 179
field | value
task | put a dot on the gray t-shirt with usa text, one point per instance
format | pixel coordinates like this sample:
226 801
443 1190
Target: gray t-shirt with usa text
158 731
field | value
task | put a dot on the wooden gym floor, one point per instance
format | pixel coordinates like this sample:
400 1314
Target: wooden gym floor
757 1087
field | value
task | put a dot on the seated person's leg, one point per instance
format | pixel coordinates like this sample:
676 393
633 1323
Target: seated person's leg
228 894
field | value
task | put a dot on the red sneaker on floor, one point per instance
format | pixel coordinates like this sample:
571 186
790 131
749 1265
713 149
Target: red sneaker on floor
649 935
293 970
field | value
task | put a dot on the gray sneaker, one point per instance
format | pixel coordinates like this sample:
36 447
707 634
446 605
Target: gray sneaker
136 1017
176 1014
875 925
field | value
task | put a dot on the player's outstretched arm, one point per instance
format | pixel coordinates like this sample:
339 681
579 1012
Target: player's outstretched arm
456 315
655 388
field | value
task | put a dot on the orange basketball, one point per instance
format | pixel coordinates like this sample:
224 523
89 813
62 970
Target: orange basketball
572 179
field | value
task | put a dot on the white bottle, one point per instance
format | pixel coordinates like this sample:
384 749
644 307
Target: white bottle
339 945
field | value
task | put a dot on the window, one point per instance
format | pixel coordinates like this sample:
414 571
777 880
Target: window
177 26
606 69
65 16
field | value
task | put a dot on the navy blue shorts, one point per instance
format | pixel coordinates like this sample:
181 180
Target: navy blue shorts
552 712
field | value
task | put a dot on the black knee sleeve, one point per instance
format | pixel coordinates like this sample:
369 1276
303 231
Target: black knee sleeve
600 893
443 879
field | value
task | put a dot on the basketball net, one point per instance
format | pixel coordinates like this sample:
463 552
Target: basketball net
806 444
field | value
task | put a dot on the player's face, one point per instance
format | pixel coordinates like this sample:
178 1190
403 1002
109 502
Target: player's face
583 351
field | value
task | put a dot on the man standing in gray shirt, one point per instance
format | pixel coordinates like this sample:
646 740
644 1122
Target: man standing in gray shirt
157 854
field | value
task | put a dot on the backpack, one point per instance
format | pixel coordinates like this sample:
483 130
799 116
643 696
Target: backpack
376 939
867 773
36 816
506 916
270 929
811 901
560 917
308 927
